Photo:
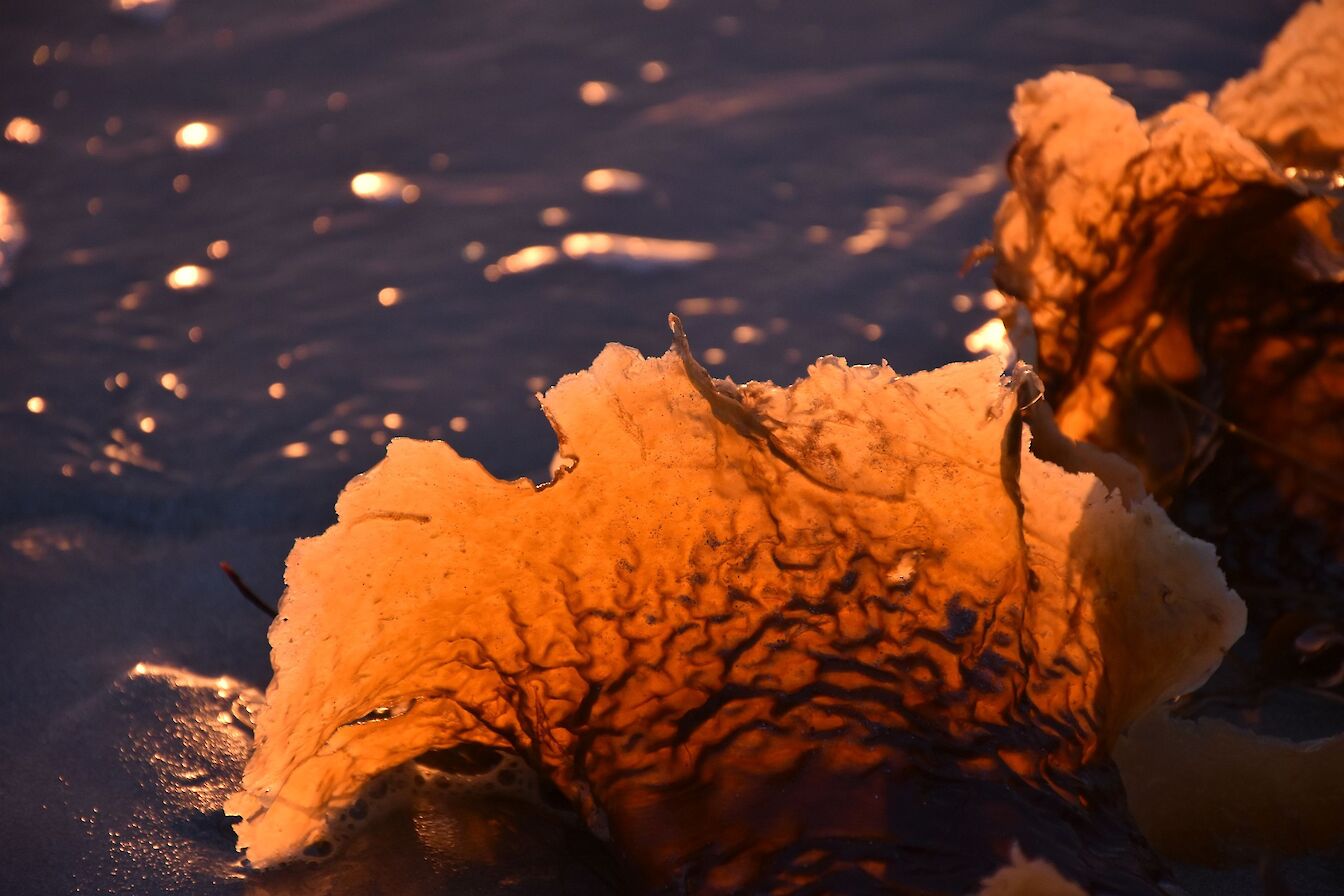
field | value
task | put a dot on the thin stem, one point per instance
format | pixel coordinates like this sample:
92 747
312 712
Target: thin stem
246 591
1254 438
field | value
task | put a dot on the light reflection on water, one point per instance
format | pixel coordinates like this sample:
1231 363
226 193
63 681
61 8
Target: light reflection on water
23 130
201 347
633 253
612 180
13 237
846 237
188 277
151 11
198 135
383 186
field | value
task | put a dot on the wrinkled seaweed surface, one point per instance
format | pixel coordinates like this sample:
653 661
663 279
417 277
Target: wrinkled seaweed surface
103 571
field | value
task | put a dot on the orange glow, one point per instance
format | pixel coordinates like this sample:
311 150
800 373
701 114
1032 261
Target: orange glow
147 424
695 307
169 381
148 10
389 296
383 186
652 72
963 189
700 305
13 235
597 93
528 259
746 334
458 424
276 390
295 450
336 102
612 180
863 243
393 421
554 216
635 250
473 251
882 228
23 130
339 437
37 404
198 135
181 183
218 249
990 338
189 277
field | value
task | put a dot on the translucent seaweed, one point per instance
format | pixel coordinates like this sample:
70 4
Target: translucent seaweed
846 633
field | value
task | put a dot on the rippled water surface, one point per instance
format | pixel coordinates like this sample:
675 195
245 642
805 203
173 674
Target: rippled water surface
246 243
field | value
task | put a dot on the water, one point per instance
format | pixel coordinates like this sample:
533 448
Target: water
398 217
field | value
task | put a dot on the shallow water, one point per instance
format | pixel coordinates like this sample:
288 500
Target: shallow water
830 164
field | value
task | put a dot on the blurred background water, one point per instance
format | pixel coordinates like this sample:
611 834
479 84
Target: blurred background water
248 242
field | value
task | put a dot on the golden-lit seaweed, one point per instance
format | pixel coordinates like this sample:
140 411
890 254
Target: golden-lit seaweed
1188 302
1209 791
1182 296
849 635
1293 104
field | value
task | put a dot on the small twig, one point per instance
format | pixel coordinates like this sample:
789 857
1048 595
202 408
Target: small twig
981 251
246 591
1254 438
